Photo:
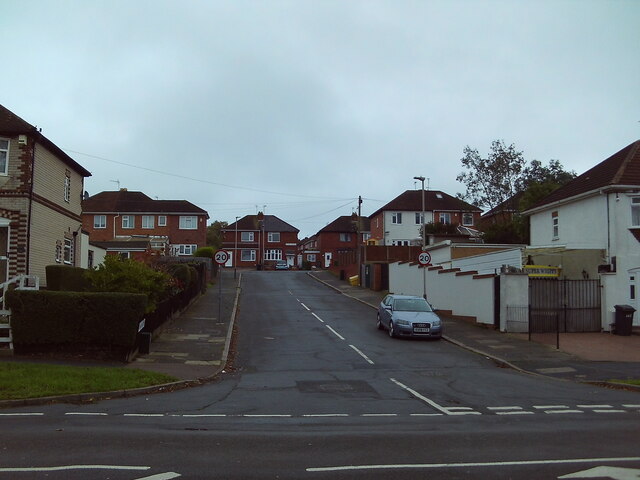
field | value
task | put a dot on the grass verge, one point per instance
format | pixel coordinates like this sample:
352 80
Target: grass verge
31 380
627 381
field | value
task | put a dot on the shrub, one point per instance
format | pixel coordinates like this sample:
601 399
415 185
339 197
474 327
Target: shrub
86 318
181 273
206 252
129 276
66 278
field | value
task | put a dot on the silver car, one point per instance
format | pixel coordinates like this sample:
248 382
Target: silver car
408 316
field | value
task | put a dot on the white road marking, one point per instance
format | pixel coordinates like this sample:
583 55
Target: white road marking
362 355
594 406
88 414
38 414
201 415
73 467
421 397
265 415
549 407
554 412
161 476
335 333
631 406
425 414
503 408
468 465
609 411
144 414
379 415
317 317
308 309
327 415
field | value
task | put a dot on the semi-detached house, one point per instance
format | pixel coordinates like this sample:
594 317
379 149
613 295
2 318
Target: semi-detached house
131 224
41 190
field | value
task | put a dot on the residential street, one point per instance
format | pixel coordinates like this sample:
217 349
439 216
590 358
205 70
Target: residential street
317 391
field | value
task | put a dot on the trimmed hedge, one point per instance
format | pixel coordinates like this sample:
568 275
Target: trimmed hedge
66 278
67 318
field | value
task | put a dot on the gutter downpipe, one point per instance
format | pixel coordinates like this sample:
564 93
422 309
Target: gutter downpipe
33 169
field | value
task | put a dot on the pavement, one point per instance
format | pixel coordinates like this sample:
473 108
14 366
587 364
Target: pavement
196 346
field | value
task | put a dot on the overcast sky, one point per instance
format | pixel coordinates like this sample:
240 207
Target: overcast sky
302 106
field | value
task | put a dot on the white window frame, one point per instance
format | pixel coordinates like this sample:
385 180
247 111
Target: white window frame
555 225
99 221
247 237
247 255
128 221
465 222
635 211
445 218
273 237
4 156
186 249
311 257
58 251
273 254
67 251
67 187
188 222
419 218
162 220
396 218
148 221
345 237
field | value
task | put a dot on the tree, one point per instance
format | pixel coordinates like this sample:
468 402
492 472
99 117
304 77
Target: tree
492 180
214 234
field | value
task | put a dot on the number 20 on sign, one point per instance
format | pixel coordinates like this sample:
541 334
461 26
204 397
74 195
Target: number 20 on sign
424 258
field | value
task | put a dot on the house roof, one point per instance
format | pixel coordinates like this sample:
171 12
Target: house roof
346 223
620 169
12 125
411 201
271 224
124 201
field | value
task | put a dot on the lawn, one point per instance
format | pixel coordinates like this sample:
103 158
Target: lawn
31 380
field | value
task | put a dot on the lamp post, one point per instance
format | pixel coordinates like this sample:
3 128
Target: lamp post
424 240
235 253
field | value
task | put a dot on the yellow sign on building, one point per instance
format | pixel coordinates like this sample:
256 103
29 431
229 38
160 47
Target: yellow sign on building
542 271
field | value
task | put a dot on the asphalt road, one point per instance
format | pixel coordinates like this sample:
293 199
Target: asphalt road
318 392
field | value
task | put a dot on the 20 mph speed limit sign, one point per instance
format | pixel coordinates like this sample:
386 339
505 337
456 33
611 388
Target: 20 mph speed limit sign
424 258
221 257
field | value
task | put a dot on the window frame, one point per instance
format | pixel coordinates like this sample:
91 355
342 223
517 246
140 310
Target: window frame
129 218
273 254
67 186
99 225
5 169
186 249
67 251
182 222
555 225
446 216
466 215
162 220
250 237
345 237
147 218
271 237
251 255
635 212
396 218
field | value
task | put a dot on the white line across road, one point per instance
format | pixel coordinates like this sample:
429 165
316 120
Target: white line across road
362 355
343 468
63 468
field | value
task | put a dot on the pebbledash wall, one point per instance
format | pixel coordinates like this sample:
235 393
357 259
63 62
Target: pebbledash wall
463 293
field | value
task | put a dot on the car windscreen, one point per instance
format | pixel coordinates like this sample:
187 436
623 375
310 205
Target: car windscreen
411 305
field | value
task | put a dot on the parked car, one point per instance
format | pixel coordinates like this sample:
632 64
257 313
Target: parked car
282 265
408 316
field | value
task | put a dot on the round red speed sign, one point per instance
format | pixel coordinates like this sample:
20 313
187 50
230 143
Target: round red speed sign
221 257
424 258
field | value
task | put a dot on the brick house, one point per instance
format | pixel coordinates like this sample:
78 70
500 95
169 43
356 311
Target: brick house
41 190
133 225
309 254
338 242
260 241
399 221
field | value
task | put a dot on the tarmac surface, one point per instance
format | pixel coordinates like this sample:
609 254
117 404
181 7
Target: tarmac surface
195 346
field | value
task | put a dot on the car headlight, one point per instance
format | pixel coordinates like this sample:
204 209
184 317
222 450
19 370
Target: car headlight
436 323
403 322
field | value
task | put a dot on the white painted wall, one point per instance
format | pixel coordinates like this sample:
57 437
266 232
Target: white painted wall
514 296
490 262
407 230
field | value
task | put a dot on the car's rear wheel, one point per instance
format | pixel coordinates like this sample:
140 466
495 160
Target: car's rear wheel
392 333
379 323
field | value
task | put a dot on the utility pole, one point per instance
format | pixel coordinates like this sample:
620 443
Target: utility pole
358 242
424 241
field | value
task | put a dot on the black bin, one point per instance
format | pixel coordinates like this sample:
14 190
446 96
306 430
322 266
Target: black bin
144 345
624 319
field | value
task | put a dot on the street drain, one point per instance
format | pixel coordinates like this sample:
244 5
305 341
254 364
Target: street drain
352 387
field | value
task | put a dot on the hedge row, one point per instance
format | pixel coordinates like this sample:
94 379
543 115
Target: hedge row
66 318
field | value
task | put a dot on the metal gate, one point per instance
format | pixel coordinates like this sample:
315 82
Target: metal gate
564 305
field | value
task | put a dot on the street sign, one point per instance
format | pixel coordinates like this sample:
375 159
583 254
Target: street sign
221 257
424 258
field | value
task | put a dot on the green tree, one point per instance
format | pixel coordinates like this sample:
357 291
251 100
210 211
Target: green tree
214 234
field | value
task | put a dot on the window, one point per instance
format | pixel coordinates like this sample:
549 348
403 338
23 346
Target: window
273 254
148 221
632 287
68 251
273 237
401 242
185 249
635 211
246 236
311 257
58 251
99 221
345 237
67 186
162 220
124 255
365 237
396 218
555 225
419 218
128 221
445 218
467 219
90 259
248 255
4 156
188 223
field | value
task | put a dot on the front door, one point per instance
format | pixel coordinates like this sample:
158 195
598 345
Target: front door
634 292
327 259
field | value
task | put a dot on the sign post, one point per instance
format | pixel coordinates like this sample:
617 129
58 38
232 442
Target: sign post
424 259
220 257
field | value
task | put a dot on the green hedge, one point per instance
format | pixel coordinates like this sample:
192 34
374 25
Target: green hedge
66 278
65 318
